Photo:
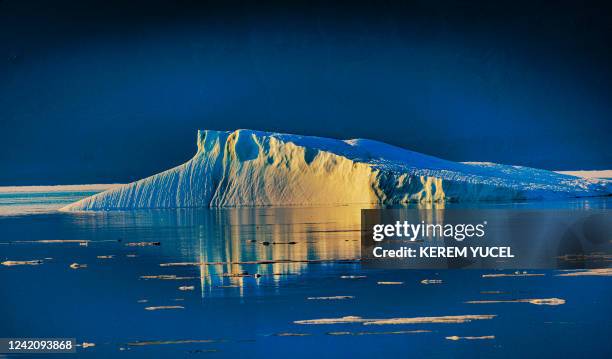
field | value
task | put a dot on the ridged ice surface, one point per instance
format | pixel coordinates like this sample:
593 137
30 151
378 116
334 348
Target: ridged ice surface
252 168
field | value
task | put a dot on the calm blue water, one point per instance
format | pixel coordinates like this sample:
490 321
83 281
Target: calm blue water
310 250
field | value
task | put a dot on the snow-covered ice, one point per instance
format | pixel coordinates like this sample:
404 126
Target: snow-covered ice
253 168
602 174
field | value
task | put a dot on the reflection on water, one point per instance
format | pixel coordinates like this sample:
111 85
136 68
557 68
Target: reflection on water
227 246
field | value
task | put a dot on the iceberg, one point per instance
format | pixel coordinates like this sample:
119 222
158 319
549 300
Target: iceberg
254 168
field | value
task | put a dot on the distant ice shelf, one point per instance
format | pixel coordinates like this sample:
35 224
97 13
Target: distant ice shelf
58 188
253 168
601 174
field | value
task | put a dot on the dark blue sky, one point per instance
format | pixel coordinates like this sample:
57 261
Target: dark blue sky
106 91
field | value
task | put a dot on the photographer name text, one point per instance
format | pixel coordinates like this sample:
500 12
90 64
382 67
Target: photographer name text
444 252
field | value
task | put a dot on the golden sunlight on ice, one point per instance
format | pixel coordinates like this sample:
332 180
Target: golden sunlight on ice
603 272
416 320
21 263
545 301
454 337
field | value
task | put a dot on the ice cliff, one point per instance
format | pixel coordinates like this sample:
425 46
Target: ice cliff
252 168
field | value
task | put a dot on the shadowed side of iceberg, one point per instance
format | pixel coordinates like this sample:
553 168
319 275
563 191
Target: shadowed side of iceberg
252 168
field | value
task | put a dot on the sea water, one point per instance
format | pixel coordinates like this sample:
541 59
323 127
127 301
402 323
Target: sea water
233 282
